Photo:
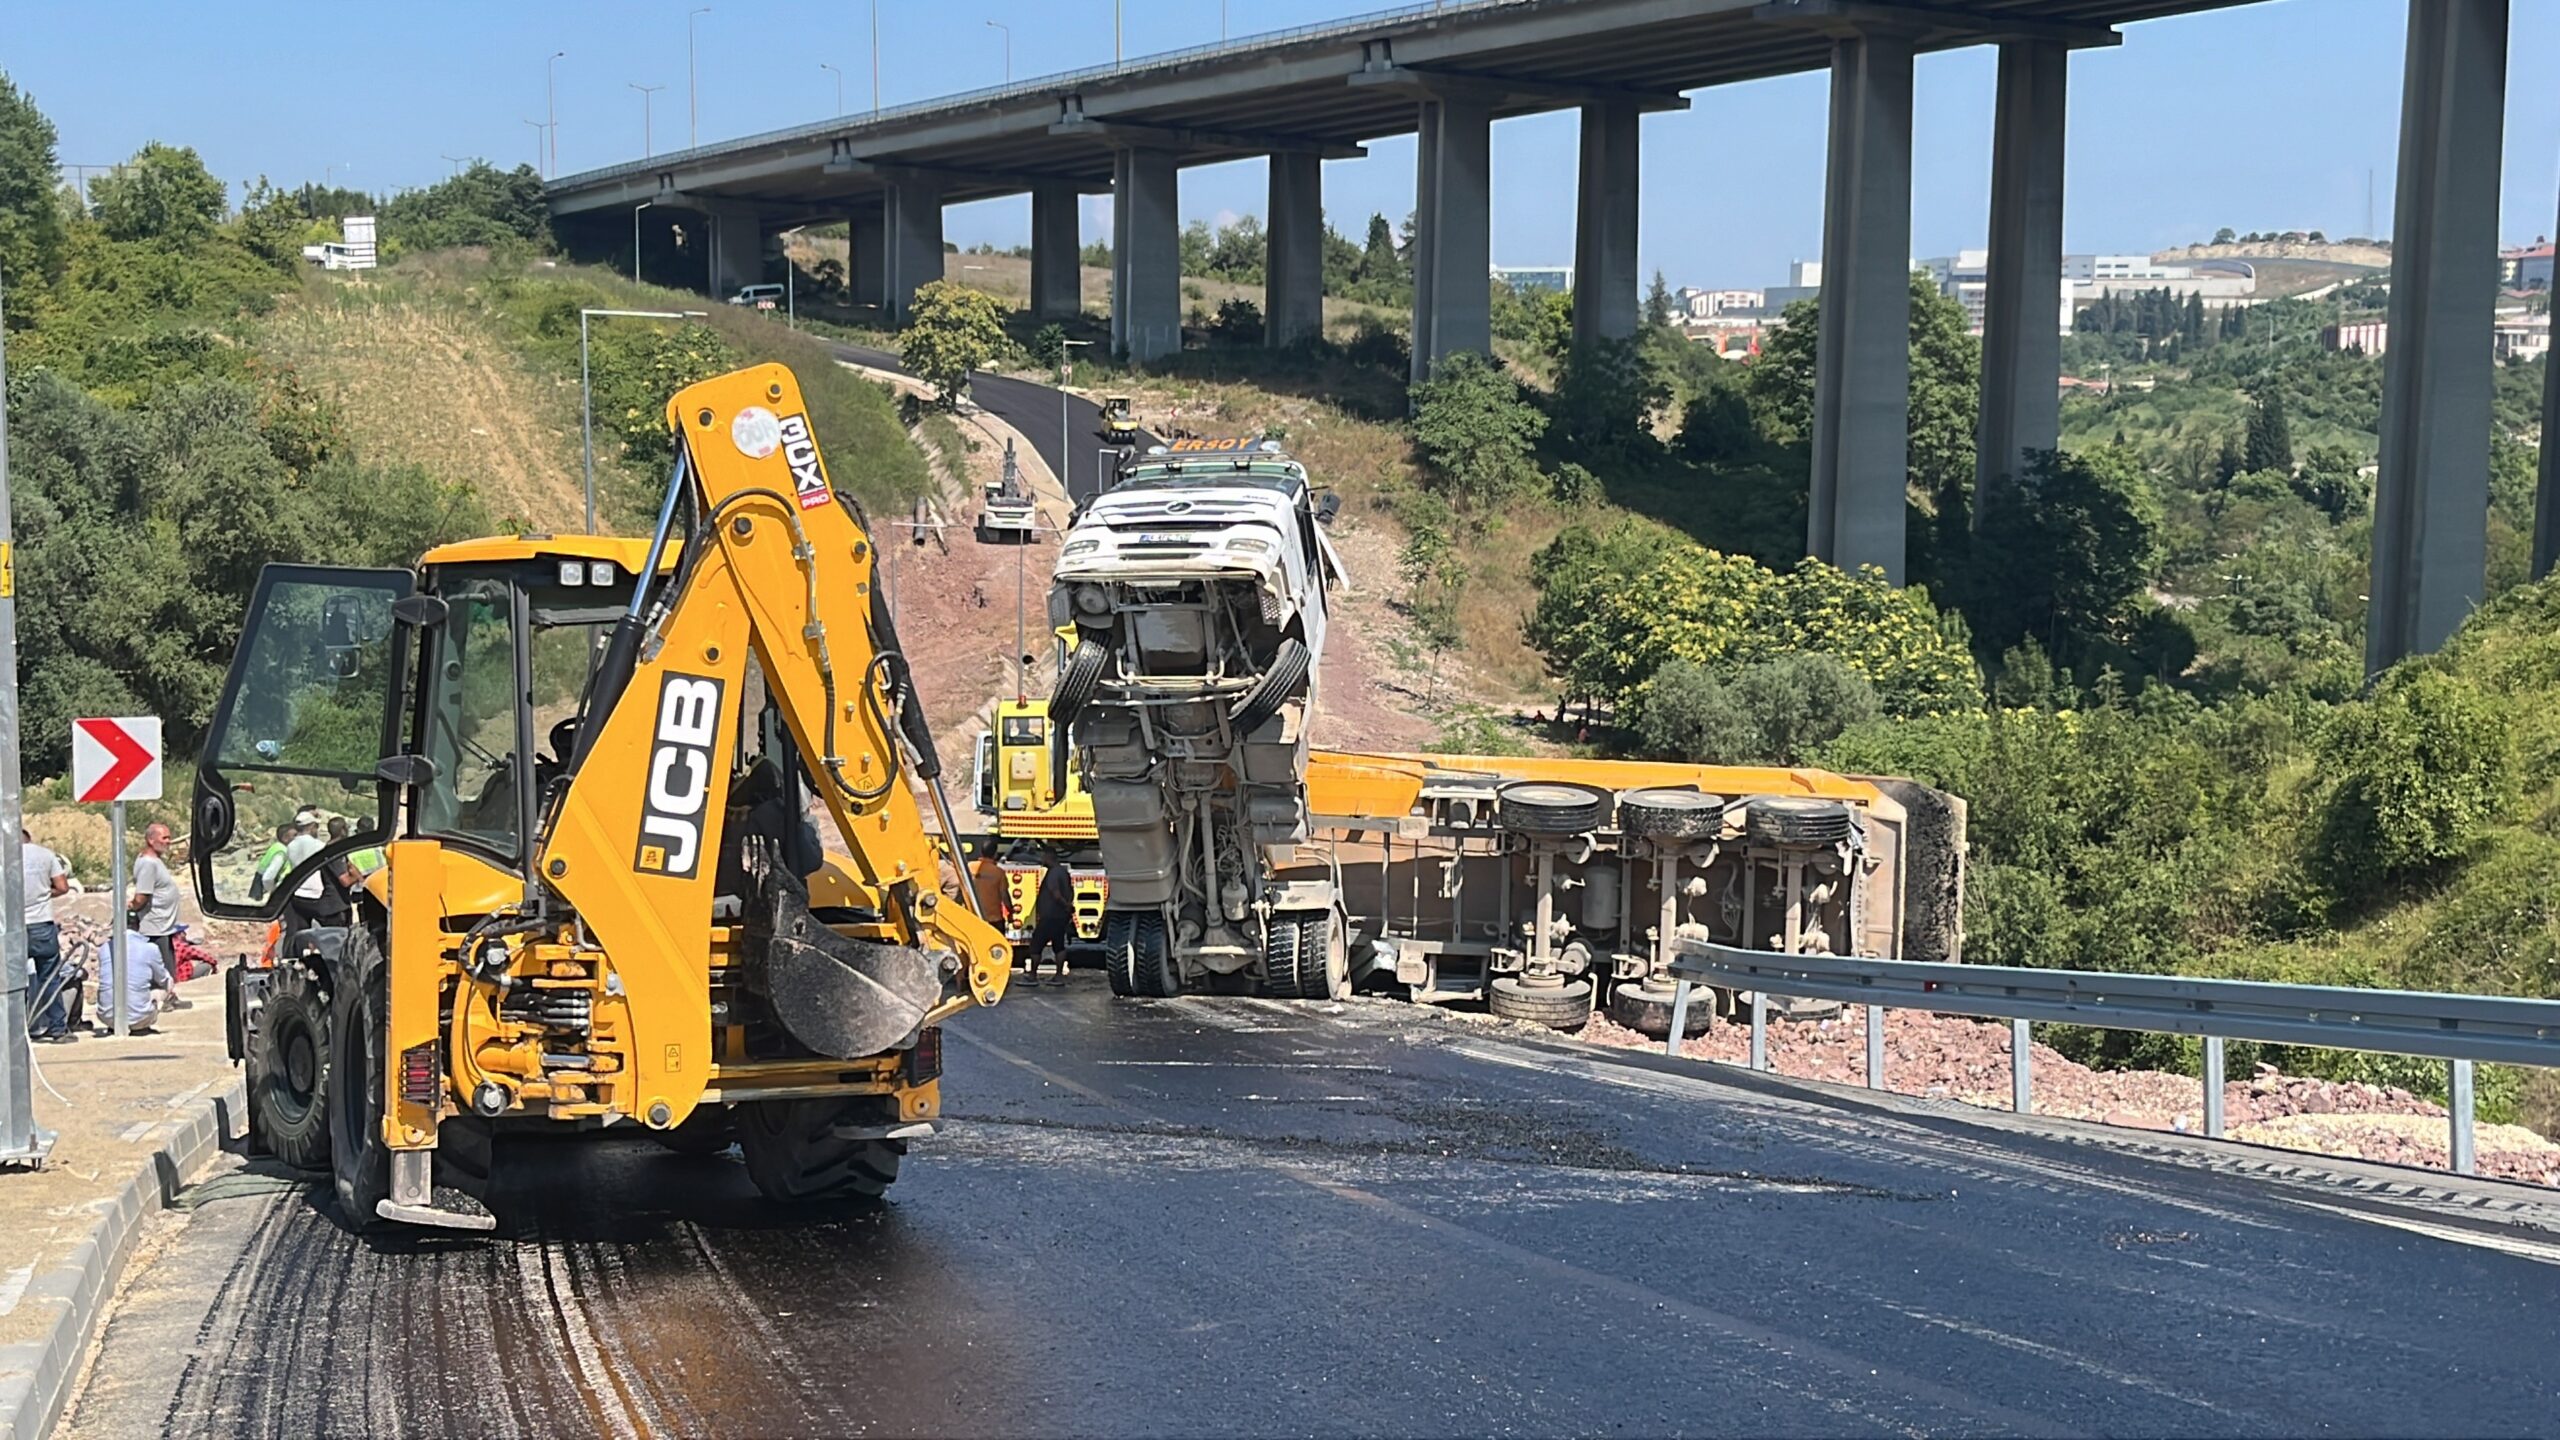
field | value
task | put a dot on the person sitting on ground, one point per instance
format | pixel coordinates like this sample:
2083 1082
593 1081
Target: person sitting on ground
148 984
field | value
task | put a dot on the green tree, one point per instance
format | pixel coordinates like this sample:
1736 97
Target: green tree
162 194
2064 553
1800 701
2416 774
31 227
1605 402
2225 235
1946 365
1475 431
951 331
480 205
2333 478
1683 712
1716 429
1382 267
1657 302
2270 441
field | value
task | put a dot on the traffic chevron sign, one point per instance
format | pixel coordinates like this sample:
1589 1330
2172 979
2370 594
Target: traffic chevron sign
115 759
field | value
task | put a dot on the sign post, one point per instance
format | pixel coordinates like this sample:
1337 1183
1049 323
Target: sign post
114 760
21 1143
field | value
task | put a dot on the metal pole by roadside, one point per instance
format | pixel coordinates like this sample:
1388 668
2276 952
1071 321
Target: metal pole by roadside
21 1143
118 920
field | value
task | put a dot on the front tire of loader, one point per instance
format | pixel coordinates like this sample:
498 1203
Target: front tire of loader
361 1162
795 1152
288 1071
709 1130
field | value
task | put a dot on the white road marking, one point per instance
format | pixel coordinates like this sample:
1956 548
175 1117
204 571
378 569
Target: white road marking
14 1286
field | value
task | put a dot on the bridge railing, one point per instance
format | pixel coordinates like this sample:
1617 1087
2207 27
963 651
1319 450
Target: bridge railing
2461 1030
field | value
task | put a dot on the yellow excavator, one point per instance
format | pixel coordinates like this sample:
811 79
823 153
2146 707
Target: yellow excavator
589 767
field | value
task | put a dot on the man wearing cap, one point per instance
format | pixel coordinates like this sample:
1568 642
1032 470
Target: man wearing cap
313 902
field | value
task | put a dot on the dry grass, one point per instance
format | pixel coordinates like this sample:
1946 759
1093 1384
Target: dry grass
422 381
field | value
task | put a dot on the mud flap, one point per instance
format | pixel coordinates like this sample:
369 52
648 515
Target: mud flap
842 998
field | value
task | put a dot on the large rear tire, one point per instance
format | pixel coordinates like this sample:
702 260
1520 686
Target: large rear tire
1558 1007
360 1161
1552 807
1306 964
1137 955
1280 957
288 1071
709 1130
796 1151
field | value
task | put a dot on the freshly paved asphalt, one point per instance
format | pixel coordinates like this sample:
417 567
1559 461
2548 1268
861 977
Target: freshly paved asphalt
1032 409
1233 1216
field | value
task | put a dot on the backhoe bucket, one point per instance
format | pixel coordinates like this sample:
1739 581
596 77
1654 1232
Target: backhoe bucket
840 997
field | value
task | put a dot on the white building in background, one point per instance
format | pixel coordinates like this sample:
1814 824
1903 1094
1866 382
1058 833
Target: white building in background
2120 267
1712 304
1525 278
2373 337
1965 278
1804 282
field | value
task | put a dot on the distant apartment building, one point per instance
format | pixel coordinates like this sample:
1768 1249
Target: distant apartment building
2526 267
2373 337
1558 278
1965 277
1804 282
1712 304
2120 267
2520 338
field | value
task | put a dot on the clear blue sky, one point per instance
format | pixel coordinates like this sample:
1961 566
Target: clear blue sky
2267 117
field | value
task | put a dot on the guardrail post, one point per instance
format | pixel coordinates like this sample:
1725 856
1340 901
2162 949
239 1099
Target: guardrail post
2458 1098
2213 1087
2021 1061
1759 1031
1679 1019
1875 1047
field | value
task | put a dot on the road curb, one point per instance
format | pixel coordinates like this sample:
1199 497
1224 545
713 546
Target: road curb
36 1375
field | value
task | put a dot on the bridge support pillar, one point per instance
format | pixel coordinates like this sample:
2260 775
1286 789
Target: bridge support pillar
1604 233
1146 255
2430 513
1862 375
1452 232
737 252
1293 275
914 243
1057 269
866 261
2021 409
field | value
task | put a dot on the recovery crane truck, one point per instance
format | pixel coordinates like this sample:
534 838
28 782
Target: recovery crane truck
640 926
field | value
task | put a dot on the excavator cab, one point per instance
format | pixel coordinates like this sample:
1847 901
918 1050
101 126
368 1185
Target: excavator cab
1119 424
593 765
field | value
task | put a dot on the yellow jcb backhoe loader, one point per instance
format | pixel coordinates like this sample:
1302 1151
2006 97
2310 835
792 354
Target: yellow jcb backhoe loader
586 765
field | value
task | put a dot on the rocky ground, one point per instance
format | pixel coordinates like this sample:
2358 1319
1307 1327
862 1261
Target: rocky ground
1951 1057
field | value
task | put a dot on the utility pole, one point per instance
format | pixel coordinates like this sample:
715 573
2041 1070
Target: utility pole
551 104
21 1143
875 59
540 132
1008 48
648 145
839 74
1117 52
692 83
456 161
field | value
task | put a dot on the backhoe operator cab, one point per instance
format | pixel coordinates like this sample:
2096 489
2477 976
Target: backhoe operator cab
1197 590
587 767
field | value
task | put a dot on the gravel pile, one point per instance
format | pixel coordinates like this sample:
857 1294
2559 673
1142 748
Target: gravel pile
1951 1057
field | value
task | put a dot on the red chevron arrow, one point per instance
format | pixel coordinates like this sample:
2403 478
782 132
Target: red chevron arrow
130 757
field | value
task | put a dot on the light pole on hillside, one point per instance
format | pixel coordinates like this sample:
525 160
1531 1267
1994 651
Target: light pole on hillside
648 145
1008 48
456 161
587 393
692 83
540 131
875 59
839 74
551 103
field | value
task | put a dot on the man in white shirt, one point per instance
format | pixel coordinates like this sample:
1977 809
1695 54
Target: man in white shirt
47 875
312 903
147 983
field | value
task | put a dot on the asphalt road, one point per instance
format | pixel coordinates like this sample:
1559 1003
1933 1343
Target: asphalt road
1210 1217
1032 409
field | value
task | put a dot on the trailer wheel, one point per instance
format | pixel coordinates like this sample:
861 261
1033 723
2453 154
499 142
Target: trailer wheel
1137 955
288 1065
1280 957
1648 1012
794 1153
1288 673
1551 807
1313 967
709 1130
361 1162
1798 822
1558 1007
1668 813
1078 682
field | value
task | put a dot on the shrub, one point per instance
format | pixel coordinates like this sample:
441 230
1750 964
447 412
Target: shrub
1048 347
1475 431
1684 713
2418 772
1239 321
1797 702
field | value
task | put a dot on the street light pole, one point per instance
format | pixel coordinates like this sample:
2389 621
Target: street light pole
456 161
1008 48
21 1143
635 238
839 74
587 392
540 131
875 59
692 83
551 103
648 146
1117 52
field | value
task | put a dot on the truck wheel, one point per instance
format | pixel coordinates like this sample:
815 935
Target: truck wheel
709 1130
1648 1012
1558 1007
1551 807
288 1068
1078 681
1669 813
1119 952
1324 967
1286 677
1137 955
1280 951
361 1161
794 1153
1798 822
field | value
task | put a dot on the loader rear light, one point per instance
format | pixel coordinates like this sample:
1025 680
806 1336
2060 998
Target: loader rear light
924 1061
419 1082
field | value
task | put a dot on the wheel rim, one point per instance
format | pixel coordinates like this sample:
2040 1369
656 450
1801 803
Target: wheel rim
301 1067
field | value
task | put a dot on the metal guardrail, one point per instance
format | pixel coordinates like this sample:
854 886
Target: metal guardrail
2462 1030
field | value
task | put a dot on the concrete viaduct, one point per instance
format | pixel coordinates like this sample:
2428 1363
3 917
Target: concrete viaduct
1445 72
